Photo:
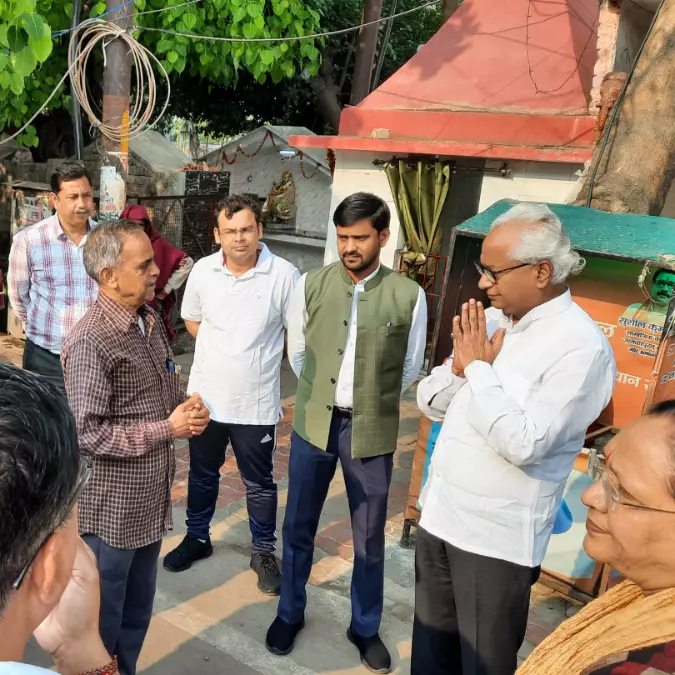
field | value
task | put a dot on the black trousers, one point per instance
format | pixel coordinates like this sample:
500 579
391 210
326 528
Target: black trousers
42 362
470 610
254 447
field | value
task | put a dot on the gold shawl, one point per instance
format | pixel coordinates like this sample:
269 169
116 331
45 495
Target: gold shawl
621 620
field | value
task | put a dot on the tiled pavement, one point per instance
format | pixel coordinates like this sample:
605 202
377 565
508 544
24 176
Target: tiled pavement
212 619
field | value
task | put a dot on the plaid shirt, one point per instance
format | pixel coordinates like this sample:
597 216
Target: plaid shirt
121 393
48 286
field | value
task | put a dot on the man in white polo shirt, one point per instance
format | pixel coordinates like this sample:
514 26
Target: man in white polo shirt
235 305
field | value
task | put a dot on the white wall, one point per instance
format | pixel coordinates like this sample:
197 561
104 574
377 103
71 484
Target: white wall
530 182
355 172
256 175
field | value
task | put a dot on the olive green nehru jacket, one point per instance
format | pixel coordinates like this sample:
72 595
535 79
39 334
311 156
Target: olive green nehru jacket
384 317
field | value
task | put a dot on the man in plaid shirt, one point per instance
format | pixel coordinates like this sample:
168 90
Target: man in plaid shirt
47 284
125 392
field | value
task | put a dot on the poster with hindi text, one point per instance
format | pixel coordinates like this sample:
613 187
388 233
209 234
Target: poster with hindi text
632 320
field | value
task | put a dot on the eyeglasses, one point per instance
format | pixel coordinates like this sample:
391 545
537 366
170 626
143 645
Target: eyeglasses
492 275
598 471
85 474
246 232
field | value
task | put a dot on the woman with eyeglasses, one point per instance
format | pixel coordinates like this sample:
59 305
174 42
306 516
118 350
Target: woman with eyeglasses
629 630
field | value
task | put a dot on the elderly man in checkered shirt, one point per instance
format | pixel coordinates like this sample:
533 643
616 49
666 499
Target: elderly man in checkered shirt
126 395
48 286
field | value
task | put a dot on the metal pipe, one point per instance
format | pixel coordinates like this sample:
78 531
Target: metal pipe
76 115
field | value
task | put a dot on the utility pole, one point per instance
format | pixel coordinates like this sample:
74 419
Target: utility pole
365 52
77 115
116 96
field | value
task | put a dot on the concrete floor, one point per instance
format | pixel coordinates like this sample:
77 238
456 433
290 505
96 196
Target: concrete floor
212 619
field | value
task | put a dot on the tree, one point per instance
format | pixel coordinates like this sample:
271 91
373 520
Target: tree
313 102
225 88
25 36
637 167
34 60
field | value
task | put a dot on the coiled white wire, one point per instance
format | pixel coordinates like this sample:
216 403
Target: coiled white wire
145 92
89 35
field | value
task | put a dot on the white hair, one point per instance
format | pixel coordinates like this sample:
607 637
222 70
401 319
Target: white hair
545 239
104 245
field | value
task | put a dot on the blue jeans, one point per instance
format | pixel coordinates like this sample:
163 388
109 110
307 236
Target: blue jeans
128 579
254 447
310 473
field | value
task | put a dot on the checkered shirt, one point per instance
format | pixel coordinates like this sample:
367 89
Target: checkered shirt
48 286
121 393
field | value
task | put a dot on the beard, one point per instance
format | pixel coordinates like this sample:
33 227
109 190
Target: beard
357 263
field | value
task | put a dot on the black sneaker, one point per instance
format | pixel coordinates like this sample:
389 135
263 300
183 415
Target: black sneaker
187 552
281 636
374 655
265 565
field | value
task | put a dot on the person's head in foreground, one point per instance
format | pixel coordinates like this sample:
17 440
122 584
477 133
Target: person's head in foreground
41 477
362 225
120 258
525 259
630 526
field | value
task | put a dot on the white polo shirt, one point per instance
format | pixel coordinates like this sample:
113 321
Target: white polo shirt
240 344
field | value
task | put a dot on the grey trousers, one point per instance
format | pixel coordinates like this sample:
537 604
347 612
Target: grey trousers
128 580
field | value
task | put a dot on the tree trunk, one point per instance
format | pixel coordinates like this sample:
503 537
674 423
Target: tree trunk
449 8
637 168
195 144
365 52
327 92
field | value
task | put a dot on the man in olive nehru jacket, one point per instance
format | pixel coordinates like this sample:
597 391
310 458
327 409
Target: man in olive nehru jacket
356 339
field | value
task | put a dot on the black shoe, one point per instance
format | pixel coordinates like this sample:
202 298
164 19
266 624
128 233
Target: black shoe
265 565
374 655
187 552
281 636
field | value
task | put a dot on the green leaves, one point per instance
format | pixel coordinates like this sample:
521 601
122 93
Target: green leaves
267 56
250 30
32 62
24 62
29 139
255 20
16 38
39 35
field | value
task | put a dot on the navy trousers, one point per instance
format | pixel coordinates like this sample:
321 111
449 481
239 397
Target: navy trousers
128 579
367 481
254 447
42 362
